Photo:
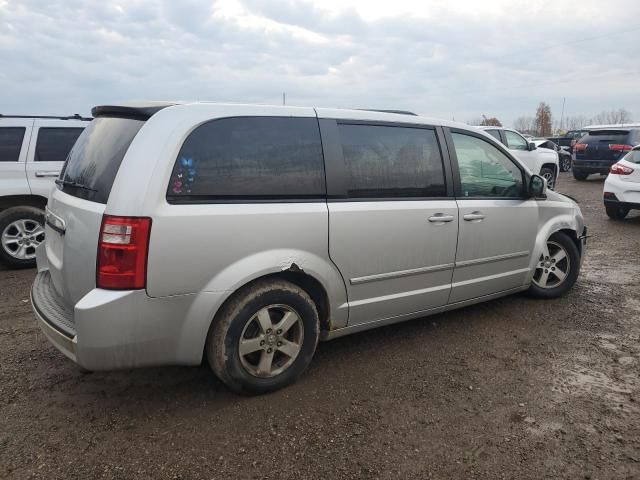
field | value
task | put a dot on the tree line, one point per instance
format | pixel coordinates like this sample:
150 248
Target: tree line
543 124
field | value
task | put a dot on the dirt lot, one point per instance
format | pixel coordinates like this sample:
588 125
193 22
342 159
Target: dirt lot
514 388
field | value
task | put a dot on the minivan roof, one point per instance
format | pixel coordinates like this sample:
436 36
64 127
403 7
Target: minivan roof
144 110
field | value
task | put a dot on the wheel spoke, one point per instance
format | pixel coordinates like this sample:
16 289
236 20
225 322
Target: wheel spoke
544 278
266 359
545 251
559 274
289 348
250 345
264 319
559 255
288 320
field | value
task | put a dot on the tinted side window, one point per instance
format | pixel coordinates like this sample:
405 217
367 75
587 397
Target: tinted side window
250 158
484 170
392 161
10 143
494 133
515 141
54 144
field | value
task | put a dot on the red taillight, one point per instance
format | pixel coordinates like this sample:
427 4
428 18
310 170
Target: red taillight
581 147
122 253
620 148
619 169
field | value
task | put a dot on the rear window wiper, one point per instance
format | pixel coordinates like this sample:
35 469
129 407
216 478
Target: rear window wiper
69 183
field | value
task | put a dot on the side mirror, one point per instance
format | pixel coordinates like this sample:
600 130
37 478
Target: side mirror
532 146
537 186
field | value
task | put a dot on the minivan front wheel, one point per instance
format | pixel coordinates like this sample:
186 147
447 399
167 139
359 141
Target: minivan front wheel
557 267
264 337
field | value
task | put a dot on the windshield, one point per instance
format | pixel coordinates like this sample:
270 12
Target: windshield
94 161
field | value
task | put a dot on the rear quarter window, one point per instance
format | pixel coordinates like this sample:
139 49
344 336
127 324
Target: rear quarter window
249 158
10 143
54 144
94 160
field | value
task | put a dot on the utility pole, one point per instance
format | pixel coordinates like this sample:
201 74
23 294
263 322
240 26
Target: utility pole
562 114
284 101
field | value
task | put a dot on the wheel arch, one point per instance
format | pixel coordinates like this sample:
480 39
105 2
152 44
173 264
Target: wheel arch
10 201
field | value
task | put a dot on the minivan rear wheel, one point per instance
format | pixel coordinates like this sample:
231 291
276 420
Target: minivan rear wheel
21 231
264 337
557 267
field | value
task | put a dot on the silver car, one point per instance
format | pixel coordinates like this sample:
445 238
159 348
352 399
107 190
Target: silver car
249 233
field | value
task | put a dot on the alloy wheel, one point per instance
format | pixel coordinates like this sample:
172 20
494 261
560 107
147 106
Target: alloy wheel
553 266
548 176
21 238
271 341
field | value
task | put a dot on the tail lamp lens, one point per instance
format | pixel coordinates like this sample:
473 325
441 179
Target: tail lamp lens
619 169
581 147
122 253
620 148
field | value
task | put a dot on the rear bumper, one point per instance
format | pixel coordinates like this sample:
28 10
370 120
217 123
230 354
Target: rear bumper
589 166
621 193
127 329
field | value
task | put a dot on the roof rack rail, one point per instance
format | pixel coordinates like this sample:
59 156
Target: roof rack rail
399 112
75 116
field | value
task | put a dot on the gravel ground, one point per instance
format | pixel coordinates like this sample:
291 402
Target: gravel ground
514 388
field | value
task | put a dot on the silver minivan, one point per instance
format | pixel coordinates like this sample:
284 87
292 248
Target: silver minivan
245 234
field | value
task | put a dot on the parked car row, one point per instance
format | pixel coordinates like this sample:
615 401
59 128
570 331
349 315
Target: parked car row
32 152
564 156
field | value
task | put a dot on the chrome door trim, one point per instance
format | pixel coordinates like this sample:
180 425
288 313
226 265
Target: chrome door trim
497 258
52 173
400 273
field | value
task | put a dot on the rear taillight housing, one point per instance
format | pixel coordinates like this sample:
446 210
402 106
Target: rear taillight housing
619 169
581 147
122 253
620 148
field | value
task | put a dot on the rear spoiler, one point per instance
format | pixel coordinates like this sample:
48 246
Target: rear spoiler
142 111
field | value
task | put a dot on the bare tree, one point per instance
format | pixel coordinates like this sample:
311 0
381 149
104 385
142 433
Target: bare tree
544 120
490 122
576 122
524 124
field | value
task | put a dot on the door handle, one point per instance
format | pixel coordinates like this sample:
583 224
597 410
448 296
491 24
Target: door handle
441 218
41 174
474 217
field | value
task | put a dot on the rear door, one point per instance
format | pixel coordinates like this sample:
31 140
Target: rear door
498 224
14 146
51 142
393 221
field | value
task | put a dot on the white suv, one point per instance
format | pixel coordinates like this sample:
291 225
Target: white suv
541 161
32 152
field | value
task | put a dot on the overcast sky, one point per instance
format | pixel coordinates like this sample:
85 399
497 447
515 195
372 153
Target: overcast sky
455 58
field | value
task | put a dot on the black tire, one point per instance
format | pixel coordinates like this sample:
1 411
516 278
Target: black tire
573 255
565 164
224 337
581 176
9 216
549 174
616 212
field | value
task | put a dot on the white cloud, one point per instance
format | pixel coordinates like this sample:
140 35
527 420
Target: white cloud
443 58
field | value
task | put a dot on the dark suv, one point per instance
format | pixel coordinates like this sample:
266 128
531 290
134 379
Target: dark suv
601 148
